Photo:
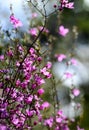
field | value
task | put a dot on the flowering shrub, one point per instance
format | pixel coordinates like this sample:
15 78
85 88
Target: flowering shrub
23 75
22 91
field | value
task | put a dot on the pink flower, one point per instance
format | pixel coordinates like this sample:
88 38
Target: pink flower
1 57
60 57
73 61
70 5
45 29
33 31
30 113
49 122
76 92
45 105
17 63
63 31
32 51
15 121
3 127
60 113
29 99
49 65
59 119
45 72
18 82
16 22
40 91
68 75
66 4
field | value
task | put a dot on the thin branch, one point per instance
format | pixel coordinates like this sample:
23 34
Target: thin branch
36 8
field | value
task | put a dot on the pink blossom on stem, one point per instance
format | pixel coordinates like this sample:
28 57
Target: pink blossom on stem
63 31
49 122
18 82
29 99
70 5
49 65
68 75
59 119
17 63
76 92
45 72
66 4
73 61
60 57
45 29
45 105
16 22
40 91
33 31
1 57
30 113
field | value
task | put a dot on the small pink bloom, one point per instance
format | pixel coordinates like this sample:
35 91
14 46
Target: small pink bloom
33 31
73 61
40 91
30 113
60 113
68 75
45 29
66 4
34 86
76 92
70 5
18 82
49 65
1 57
15 121
60 57
59 120
45 72
16 22
17 63
20 48
49 122
29 99
45 105
32 51
63 31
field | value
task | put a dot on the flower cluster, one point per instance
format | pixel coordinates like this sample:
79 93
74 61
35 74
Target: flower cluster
67 4
57 122
21 100
67 74
16 22
64 4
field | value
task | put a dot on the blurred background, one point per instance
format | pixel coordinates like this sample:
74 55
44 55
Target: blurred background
75 44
